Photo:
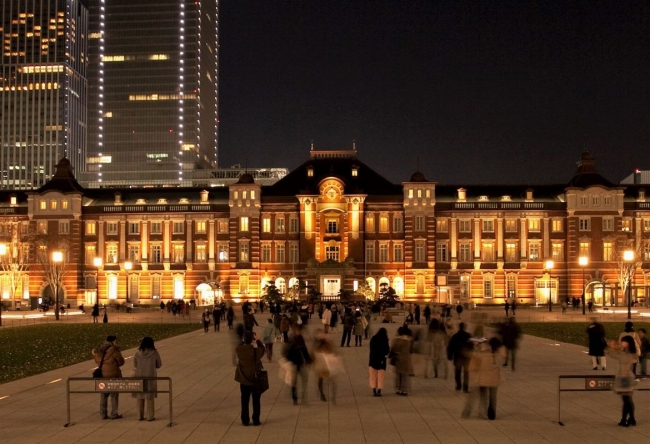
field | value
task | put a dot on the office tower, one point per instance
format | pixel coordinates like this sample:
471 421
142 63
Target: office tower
42 89
153 88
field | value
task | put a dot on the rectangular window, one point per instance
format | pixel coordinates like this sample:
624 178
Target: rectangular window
111 228
266 224
65 204
293 224
419 251
200 227
608 251
465 253
266 253
111 254
533 252
595 200
134 227
646 224
332 253
441 252
607 201
419 223
557 251
410 193
464 287
584 224
608 224
178 227
156 254
488 252
243 252
42 205
511 252
511 225
293 253
370 223
279 253
134 252
91 254
243 225
398 253
54 205
557 225
533 225
91 228
398 223
222 226
178 254
370 252
223 253
465 226
584 201
511 283
200 253
64 227
156 228
332 226
279 225
155 286
383 252
383 224
646 252
585 249
488 286
626 224
488 226
442 226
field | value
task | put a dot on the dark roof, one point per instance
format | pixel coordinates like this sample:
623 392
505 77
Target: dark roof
106 196
63 179
587 174
494 192
246 178
418 177
367 181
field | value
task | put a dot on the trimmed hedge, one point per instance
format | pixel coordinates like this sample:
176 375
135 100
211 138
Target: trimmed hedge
574 332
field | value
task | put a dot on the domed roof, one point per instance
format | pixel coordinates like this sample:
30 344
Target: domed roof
246 178
418 177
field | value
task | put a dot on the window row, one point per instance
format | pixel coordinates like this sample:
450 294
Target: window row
510 225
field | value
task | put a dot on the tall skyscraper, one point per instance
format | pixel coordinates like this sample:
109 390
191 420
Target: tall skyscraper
153 79
42 89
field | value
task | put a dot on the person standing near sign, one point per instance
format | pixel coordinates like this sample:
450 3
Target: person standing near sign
146 363
249 358
597 344
109 357
626 353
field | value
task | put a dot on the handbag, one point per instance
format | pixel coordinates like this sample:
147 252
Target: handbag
261 379
97 373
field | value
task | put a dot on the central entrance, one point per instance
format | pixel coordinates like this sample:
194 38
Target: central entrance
331 285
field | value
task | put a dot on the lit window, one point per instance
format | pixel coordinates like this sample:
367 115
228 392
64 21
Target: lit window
488 285
488 226
266 224
511 252
398 253
64 227
279 225
442 226
533 225
111 227
370 223
111 254
557 225
533 252
64 204
511 283
91 228
383 224
156 227
156 254
557 251
332 253
200 254
488 252
332 226
243 225
223 253
608 251
243 252
200 226
626 225
42 205
222 226
585 249
179 253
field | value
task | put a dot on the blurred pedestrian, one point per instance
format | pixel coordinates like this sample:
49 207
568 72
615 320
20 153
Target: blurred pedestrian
358 328
230 317
205 318
269 336
296 353
626 353
348 326
400 358
326 318
249 359
459 351
146 363
507 307
216 316
485 367
379 350
645 349
95 313
327 365
510 334
629 331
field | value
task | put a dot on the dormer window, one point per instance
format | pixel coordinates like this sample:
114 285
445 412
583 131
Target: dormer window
462 194
253 194
42 205
141 202
355 171
183 200
64 204
13 200
310 172
483 198
506 198
235 194
162 201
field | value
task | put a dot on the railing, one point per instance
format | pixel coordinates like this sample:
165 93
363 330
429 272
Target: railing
120 385
501 206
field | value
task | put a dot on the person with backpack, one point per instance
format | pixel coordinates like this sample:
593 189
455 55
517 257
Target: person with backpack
459 351
249 359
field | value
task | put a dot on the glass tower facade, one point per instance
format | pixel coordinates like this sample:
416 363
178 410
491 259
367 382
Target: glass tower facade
43 114
153 79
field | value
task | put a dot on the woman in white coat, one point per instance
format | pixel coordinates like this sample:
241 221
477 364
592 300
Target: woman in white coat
146 363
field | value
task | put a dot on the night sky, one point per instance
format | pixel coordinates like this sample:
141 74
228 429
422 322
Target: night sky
481 91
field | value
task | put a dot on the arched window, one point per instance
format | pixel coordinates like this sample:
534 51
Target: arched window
243 284
281 285
372 284
265 282
293 282
398 286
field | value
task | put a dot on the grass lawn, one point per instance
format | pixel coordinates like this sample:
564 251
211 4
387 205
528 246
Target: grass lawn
574 332
28 351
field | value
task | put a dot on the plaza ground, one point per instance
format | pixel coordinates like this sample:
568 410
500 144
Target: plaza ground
206 401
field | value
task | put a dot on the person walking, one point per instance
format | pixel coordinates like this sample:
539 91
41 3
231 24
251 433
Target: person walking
513 306
379 349
95 313
216 315
645 349
597 344
326 319
205 318
510 334
485 367
427 314
507 307
417 314
249 359
348 326
358 328
400 357
459 351
334 320
296 353
459 310
268 338
626 353
327 365
230 317
249 320
285 325
109 358
146 363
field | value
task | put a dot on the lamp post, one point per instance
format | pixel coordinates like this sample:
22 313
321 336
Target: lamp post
549 264
583 261
3 251
97 262
57 259
128 265
628 258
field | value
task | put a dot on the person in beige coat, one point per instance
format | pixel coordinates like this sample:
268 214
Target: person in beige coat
485 366
110 358
146 363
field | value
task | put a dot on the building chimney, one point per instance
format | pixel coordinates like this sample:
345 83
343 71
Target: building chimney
204 197
529 195
118 199
462 194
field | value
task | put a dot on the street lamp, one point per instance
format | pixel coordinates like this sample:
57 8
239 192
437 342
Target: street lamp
583 261
57 259
628 258
549 264
97 262
128 265
3 251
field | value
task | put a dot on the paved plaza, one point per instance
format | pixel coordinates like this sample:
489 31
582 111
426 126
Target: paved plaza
206 403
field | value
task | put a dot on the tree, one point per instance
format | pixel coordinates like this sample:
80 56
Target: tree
627 259
365 290
14 259
52 255
272 295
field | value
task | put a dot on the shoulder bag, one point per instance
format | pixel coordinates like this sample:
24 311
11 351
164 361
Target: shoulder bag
261 379
97 373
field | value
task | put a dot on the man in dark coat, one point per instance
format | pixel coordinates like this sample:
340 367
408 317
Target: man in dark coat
249 357
348 325
597 344
510 333
459 351
417 314
216 315
249 321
